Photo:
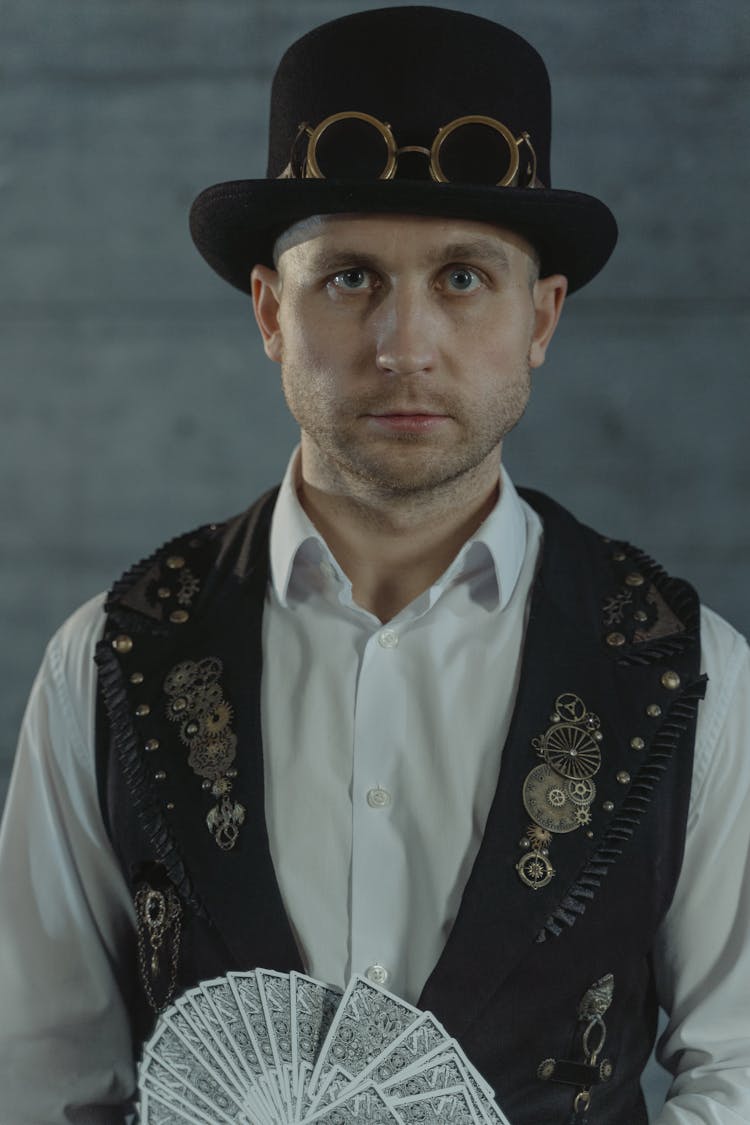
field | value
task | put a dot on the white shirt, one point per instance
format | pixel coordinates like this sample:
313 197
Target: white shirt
359 778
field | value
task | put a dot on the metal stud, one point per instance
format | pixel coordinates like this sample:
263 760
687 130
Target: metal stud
608 806
637 743
231 773
590 834
122 644
164 592
170 806
620 556
142 710
179 616
179 704
615 640
653 710
206 784
136 678
671 680
640 615
160 775
152 744
634 579
175 562
623 777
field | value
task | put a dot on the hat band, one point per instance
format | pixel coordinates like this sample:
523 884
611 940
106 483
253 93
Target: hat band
470 149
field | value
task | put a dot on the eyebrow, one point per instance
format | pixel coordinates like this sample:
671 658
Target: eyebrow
479 250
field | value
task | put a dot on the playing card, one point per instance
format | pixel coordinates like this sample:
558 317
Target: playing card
366 1106
247 991
313 1006
236 1042
367 1020
160 1110
418 1042
448 1106
202 1043
274 990
177 1077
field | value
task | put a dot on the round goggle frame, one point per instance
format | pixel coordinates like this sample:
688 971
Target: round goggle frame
310 168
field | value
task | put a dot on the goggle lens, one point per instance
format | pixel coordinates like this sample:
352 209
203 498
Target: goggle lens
352 149
475 154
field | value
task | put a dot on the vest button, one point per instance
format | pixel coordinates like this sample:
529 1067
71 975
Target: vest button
615 639
175 562
122 644
671 680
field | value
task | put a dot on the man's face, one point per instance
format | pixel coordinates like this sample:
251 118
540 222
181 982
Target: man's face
405 345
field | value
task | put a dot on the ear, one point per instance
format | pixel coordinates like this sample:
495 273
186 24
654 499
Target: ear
266 287
548 296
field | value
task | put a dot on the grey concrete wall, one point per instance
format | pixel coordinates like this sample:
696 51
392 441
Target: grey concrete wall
135 400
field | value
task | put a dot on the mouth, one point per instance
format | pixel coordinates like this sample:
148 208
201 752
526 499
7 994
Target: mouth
414 420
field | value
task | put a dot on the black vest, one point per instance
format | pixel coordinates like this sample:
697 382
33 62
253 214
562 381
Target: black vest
556 924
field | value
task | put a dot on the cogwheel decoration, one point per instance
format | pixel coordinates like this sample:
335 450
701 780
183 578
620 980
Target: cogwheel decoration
187 587
558 793
196 701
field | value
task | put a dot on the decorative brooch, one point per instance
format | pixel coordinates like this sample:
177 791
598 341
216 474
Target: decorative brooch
197 703
558 793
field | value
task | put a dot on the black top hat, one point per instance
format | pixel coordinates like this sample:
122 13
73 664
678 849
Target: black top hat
398 76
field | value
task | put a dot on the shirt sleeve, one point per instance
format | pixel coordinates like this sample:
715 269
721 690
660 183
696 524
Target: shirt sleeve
66 920
702 958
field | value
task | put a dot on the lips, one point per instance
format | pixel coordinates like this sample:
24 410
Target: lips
412 421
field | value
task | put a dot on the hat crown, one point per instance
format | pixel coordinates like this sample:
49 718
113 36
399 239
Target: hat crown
416 68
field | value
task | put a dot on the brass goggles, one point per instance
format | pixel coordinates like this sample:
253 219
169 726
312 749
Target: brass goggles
473 149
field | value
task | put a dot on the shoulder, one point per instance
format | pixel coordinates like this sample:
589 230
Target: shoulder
68 673
724 718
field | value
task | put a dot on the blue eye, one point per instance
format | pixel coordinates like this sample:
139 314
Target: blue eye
463 280
352 279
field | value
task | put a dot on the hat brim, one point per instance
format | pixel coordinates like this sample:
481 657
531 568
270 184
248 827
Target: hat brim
235 224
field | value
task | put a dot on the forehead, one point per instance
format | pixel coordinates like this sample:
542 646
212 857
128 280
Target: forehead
408 236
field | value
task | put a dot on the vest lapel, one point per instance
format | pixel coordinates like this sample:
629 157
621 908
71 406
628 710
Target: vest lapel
500 917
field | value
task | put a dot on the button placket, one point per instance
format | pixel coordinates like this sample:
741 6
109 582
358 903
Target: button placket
378 859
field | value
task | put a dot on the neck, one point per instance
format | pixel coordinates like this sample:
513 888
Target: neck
393 549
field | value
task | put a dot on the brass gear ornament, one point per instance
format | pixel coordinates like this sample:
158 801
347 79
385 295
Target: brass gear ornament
557 794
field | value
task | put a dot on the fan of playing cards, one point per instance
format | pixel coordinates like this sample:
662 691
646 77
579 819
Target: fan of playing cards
267 1048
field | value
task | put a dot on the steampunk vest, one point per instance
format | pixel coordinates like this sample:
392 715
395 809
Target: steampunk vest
546 978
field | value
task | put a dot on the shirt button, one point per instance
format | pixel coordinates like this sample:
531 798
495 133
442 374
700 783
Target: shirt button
378 798
388 638
377 974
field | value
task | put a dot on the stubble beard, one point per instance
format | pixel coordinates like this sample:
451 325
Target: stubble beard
403 466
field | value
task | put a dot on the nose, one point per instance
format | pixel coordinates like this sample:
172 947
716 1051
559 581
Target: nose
405 334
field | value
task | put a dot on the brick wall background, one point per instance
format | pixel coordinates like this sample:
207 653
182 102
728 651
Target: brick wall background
135 400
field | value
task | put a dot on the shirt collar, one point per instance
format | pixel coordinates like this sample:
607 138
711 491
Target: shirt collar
497 547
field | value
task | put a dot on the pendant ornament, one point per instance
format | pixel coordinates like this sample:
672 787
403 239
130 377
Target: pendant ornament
558 793
196 701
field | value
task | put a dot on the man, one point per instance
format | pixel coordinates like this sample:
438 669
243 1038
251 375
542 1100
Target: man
476 766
